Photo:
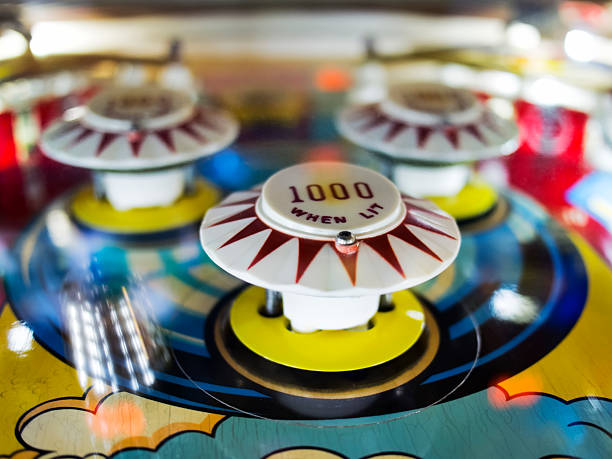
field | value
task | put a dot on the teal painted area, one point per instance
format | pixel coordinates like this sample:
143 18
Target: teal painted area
181 271
526 427
109 262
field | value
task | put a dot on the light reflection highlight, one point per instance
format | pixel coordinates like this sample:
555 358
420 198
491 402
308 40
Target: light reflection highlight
60 228
20 339
416 315
506 304
573 216
324 152
113 337
332 79
581 45
369 83
123 418
12 44
523 36
602 208
551 91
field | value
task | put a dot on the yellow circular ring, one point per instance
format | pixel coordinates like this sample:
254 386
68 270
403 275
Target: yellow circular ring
392 334
475 199
101 215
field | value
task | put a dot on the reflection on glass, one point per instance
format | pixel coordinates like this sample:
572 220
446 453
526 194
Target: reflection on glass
113 336
60 229
507 304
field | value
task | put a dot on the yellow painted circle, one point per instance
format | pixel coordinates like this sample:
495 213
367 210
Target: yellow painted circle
99 214
475 199
393 333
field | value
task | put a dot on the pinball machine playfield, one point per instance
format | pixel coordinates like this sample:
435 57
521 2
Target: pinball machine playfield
472 223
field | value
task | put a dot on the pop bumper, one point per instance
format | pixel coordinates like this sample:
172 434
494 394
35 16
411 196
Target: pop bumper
432 134
334 239
140 142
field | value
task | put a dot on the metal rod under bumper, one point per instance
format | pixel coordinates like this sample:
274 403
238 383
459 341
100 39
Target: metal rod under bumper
98 185
274 304
386 302
190 179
